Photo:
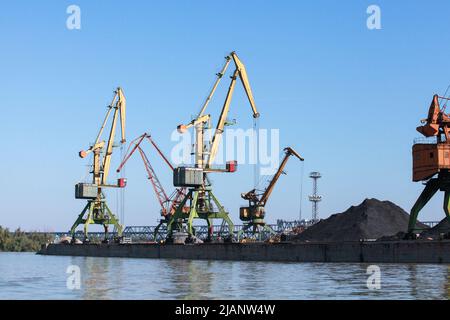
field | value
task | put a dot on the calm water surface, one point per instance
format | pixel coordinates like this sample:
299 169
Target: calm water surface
29 276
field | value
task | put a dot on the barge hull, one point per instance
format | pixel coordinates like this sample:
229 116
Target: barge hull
361 252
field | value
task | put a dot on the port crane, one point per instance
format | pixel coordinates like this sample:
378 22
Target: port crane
96 210
168 203
253 214
203 203
431 160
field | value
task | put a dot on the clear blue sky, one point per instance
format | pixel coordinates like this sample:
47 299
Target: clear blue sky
347 98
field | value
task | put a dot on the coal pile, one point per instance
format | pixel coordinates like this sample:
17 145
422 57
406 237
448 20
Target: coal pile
441 230
372 219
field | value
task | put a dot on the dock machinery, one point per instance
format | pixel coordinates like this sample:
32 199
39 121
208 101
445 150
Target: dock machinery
168 203
431 158
253 214
203 203
96 210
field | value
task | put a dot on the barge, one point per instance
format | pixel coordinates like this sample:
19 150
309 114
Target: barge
406 251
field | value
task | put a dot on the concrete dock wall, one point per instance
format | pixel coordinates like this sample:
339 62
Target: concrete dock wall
387 252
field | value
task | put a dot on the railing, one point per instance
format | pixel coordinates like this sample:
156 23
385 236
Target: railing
147 233
425 140
431 224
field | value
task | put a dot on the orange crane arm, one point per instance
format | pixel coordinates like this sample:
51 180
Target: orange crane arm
157 186
265 196
437 121
168 204
431 125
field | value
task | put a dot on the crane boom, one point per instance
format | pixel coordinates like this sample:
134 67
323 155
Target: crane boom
168 204
240 72
254 213
288 152
253 197
149 137
119 111
118 104
157 186
135 143
245 83
221 123
216 83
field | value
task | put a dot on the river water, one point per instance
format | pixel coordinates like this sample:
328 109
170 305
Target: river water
29 276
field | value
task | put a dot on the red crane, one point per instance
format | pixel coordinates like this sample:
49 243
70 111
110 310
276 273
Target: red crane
168 203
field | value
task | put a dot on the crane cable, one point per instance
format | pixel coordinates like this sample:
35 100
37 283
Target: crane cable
120 193
268 178
122 190
256 170
302 167
89 166
445 95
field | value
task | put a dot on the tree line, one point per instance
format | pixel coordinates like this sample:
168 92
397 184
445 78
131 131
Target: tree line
20 241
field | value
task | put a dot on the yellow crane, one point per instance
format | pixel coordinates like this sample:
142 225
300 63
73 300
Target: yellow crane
203 203
254 213
96 210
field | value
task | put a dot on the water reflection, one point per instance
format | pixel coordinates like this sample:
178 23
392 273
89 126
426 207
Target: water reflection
190 279
27 276
98 281
447 283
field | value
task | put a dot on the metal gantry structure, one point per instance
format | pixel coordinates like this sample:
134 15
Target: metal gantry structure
148 234
96 210
315 198
193 197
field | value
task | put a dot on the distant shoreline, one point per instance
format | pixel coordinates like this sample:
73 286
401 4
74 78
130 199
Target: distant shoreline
21 241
